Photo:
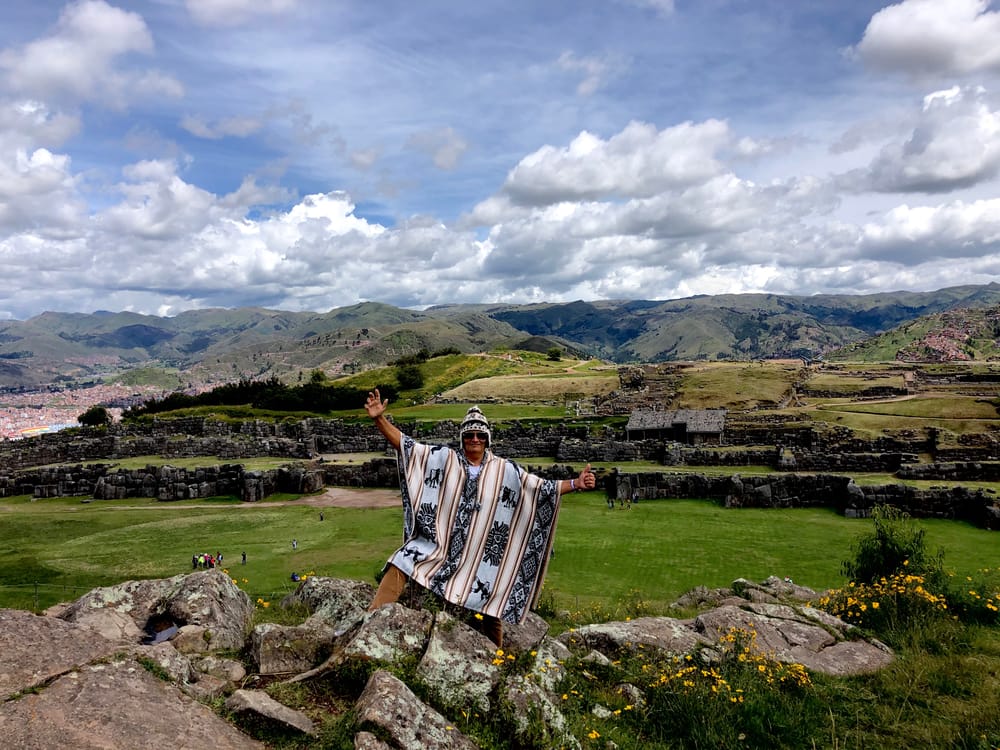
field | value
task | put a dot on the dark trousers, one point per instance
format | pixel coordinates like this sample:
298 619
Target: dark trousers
391 587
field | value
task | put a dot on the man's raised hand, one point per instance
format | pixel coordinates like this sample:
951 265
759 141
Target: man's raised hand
375 406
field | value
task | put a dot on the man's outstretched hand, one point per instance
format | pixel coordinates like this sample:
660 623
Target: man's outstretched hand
374 405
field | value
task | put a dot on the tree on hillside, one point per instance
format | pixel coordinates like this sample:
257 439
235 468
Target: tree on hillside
554 354
95 416
409 377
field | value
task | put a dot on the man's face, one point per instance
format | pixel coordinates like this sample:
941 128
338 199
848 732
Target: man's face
474 445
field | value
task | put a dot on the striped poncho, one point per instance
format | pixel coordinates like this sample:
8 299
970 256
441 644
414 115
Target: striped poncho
482 543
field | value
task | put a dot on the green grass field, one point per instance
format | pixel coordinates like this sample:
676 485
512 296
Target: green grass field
56 550
736 385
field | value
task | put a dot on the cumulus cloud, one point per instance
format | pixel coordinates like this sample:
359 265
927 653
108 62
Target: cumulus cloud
875 130
594 210
77 60
911 235
589 193
158 204
167 239
639 161
954 143
38 192
933 37
27 123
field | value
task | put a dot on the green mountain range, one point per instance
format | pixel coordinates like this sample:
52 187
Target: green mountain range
214 345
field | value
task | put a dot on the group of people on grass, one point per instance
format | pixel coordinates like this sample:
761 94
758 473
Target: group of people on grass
206 560
623 502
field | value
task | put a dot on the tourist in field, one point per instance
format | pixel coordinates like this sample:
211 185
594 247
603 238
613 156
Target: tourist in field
477 528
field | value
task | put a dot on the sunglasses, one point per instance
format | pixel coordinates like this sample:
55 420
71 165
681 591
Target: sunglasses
475 435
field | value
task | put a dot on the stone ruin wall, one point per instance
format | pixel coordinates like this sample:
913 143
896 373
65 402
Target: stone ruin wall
872 392
90 444
984 446
883 463
764 442
960 471
167 483
817 490
800 450
382 472
107 482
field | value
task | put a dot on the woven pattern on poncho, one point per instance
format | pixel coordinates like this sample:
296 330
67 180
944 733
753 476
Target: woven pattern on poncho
482 543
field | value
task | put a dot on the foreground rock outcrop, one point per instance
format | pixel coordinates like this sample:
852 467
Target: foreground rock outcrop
142 664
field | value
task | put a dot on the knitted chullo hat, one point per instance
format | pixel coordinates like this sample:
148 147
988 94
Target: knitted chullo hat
474 422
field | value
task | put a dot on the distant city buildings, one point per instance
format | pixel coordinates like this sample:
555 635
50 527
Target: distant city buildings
26 414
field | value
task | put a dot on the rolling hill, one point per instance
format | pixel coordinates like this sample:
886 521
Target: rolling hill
220 345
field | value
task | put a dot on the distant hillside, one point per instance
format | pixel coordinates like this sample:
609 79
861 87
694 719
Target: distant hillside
221 345
737 326
962 334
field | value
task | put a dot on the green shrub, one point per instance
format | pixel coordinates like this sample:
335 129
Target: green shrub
898 609
975 598
95 416
409 377
895 545
737 697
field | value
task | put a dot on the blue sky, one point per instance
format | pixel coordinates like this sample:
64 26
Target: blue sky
164 155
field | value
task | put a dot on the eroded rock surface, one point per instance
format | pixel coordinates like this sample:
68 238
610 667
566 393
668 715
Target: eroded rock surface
85 675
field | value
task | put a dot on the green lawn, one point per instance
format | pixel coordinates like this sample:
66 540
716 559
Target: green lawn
941 407
659 549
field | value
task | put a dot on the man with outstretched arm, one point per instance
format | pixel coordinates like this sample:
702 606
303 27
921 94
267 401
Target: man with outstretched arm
477 528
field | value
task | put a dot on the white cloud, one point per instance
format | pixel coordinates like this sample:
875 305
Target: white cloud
637 162
235 12
444 146
954 142
77 60
364 158
25 124
594 70
662 7
933 37
38 195
318 159
227 126
911 235
158 205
